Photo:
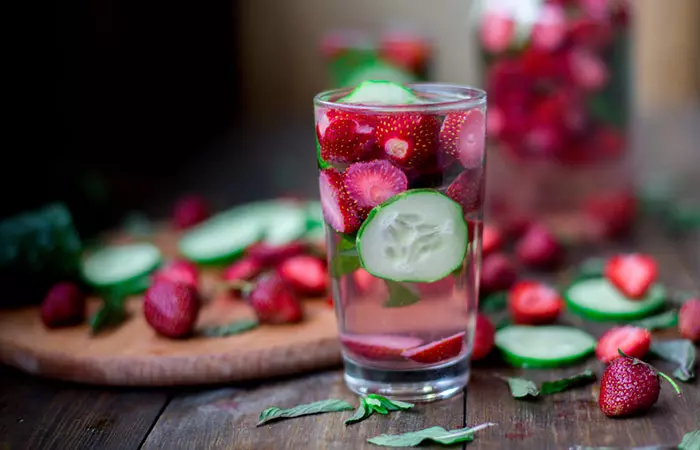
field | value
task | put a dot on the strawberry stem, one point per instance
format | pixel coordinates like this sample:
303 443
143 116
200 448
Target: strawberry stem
673 383
661 374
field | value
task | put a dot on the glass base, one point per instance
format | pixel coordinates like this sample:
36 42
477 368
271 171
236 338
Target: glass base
417 385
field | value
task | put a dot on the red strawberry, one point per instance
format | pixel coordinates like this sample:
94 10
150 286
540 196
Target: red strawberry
587 70
345 137
244 269
364 282
549 31
517 226
329 300
689 320
273 301
630 386
497 273
373 182
437 351
587 32
484 337
63 305
171 308
339 209
612 214
468 189
404 50
178 271
497 31
189 211
538 248
533 303
463 136
268 255
491 241
633 341
632 274
378 346
408 140
305 274
495 121
608 142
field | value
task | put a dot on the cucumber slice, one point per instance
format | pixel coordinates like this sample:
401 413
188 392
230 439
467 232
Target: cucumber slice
381 93
416 236
314 214
220 239
543 346
597 299
281 221
120 264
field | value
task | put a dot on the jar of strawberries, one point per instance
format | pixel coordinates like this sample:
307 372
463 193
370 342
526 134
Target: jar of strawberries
557 75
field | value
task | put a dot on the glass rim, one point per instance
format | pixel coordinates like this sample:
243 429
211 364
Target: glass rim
472 97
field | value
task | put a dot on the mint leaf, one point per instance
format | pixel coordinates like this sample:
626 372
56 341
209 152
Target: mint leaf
361 413
521 388
494 302
377 403
679 351
590 268
653 447
400 295
323 406
581 379
433 434
109 315
236 327
392 405
668 319
691 441
345 260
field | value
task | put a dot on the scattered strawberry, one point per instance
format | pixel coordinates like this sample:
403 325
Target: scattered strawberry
306 275
632 274
462 136
373 182
491 241
538 248
378 346
629 387
339 209
516 226
468 189
244 269
498 273
267 255
689 320
495 122
404 50
549 31
611 215
587 70
345 137
497 31
533 303
364 281
437 351
189 211
171 308
178 271
273 301
63 305
484 337
634 341
408 140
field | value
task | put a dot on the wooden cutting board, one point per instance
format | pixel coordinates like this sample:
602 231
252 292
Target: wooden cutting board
132 354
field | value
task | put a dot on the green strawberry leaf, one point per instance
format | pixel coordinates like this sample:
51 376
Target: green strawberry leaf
229 329
494 302
521 388
437 435
323 406
400 295
361 413
691 441
581 379
668 319
679 351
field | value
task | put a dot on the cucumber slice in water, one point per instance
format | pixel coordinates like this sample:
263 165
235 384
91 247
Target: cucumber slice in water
597 299
543 346
120 264
220 239
381 93
417 236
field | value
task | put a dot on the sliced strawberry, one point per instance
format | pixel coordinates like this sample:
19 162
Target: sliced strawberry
632 273
468 189
587 70
345 137
611 214
689 320
305 274
371 183
484 337
189 211
498 273
633 341
273 301
463 136
244 269
549 31
497 31
409 139
378 346
539 248
364 282
437 351
491 240
268 255
533 303
178 271
339 209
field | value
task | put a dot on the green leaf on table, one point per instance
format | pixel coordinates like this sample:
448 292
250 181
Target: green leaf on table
437 435
494 302
651 447
323 406
679 351
691 441
229 329
376 406
109 315
377 403
590 268
581 379
361 413
392 405
521 388
668 319
400 295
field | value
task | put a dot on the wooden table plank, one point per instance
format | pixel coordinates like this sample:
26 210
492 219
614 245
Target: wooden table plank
225 418
36 413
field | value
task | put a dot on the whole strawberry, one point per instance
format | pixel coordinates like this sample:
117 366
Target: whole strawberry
189 211
689 320
538 248
274 301
630 386
171 308
498 273
63 305
178 271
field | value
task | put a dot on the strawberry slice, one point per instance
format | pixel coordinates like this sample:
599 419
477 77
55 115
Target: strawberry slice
178 271
339 209
533 303
305 274
189 211
491 240
437 351
378 346
484 337
408 140
689 320
538 248
371 183
497 31
345 137
587 70
632 274
633 341
468 189
463 136
549 31
273 301
243 270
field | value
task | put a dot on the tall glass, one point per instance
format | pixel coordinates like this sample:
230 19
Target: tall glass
402 191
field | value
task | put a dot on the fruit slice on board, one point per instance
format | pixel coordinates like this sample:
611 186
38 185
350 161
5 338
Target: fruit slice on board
120 264
417 236
598 299
381 93
220 239
378 346
543 346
